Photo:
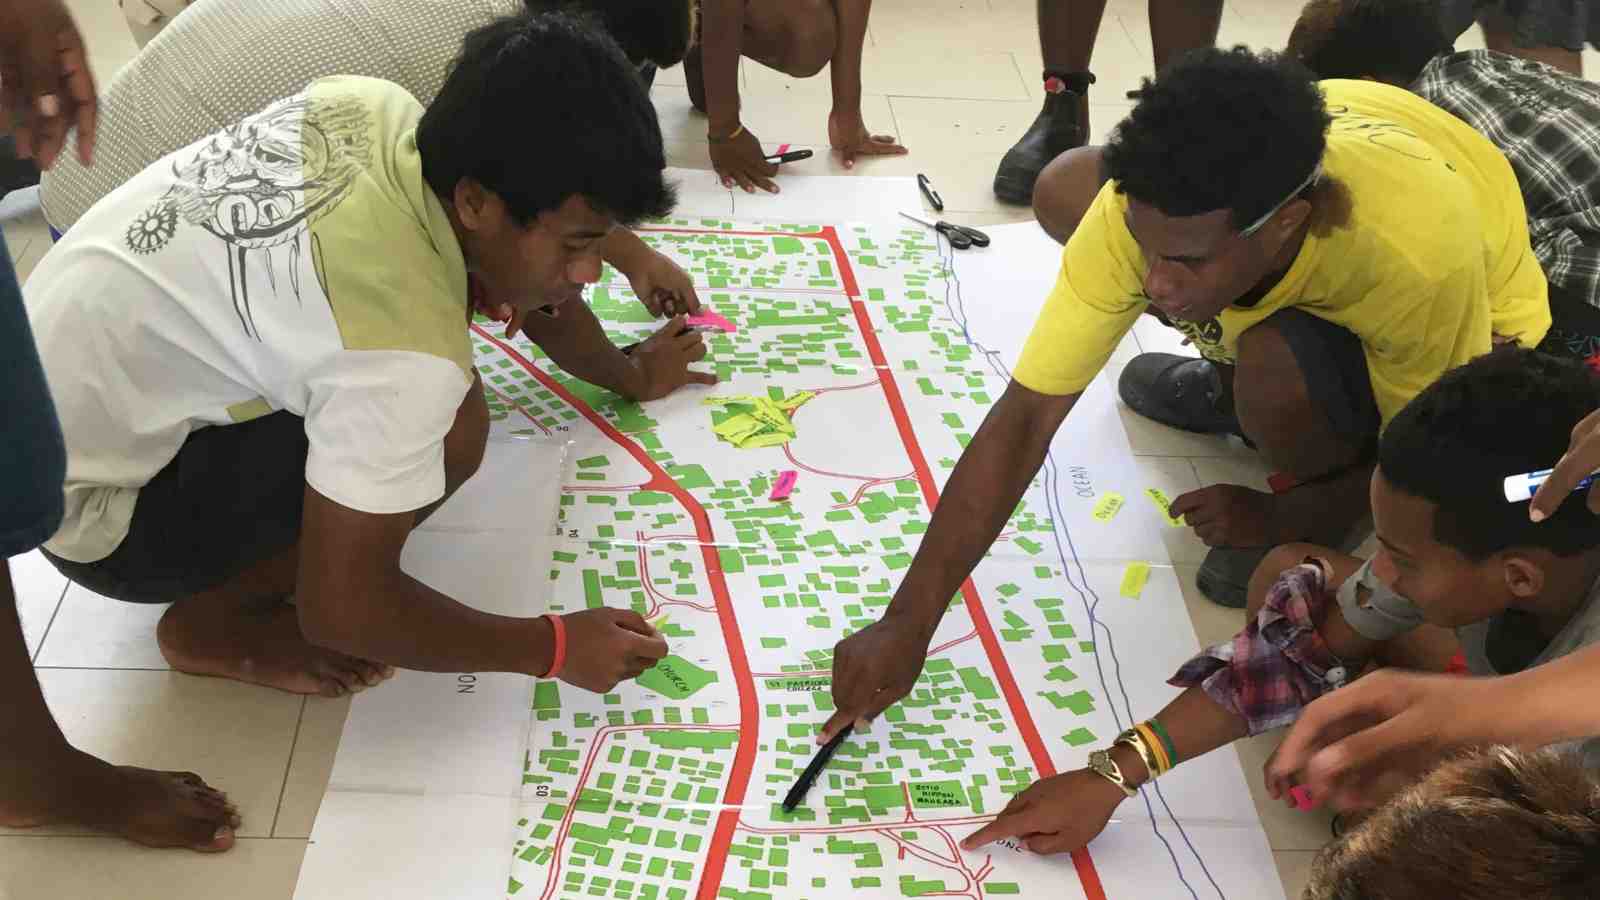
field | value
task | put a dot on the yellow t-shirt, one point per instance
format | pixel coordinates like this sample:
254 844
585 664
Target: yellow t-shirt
1431 258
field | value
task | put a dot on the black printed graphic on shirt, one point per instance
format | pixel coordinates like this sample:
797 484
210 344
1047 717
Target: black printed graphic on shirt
260 184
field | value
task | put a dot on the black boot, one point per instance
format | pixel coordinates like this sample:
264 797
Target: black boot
15 173
1059 127
1180 392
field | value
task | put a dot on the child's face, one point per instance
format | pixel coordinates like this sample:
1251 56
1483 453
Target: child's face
1450 589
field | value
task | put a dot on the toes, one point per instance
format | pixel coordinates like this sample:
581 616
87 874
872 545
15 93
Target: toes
370 672
217 838
190 779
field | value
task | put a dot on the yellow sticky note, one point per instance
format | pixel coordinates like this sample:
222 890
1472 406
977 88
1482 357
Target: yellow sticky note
1107 507
1161 501
1134 578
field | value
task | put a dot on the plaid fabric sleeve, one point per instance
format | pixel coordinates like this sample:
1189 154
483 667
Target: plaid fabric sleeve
1278 663
1547 124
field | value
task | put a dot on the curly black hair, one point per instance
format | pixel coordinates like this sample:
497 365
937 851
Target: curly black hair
538 108
1505 413
654 31
1390 40
1220 129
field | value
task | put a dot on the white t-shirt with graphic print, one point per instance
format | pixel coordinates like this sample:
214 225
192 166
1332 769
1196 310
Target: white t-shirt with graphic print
293 261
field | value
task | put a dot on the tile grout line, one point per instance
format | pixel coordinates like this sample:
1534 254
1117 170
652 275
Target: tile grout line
288 767
60 602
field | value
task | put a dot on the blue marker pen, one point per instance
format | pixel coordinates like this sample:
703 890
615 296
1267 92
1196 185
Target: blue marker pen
1522 487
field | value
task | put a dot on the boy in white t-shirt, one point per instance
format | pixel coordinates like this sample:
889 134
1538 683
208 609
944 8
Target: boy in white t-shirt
259 351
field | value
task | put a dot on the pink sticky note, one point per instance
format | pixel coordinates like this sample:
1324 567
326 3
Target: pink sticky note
1302 798
708 318
784 486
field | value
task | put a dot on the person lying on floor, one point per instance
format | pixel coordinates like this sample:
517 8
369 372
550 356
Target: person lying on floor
260 355
1545 122
1460 570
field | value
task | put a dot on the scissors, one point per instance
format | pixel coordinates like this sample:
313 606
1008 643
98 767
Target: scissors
960 236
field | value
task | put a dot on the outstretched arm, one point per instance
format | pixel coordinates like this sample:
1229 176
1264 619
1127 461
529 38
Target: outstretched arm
847 131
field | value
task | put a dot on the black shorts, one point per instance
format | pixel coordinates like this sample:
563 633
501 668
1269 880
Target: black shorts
1334 366
1574 325
229 500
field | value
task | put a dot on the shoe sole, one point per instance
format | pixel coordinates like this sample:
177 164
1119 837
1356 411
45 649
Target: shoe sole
1014 190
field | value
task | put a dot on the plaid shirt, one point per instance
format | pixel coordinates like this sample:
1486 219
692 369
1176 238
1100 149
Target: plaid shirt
1278 663
1547 124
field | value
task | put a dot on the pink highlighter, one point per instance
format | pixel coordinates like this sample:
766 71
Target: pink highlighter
707 318
1302 798
784 486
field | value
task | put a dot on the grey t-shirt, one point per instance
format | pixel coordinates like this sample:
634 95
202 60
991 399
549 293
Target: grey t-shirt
222 60
1502 645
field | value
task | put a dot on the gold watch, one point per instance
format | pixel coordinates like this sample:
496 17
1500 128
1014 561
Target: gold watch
1101 763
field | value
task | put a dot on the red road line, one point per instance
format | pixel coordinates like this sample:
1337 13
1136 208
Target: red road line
1087 875
749 714
739 777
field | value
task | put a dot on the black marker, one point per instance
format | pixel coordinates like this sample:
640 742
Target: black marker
791 156
809 776
930 193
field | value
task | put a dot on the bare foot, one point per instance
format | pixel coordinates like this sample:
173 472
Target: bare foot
258 641
157 809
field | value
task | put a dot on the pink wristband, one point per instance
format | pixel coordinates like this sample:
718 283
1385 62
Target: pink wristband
558 656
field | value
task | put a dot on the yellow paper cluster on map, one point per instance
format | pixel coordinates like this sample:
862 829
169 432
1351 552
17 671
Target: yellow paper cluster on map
758 421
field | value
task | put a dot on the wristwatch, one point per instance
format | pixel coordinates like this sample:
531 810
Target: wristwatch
1101 763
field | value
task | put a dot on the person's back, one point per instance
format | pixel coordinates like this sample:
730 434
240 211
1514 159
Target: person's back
1544 121
231 279
1376 118
225 59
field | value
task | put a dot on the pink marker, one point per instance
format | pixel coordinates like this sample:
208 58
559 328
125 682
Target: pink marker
710 319
784 486
1302 798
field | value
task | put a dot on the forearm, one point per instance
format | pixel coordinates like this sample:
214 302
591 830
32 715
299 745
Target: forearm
1196 724
624 251
1340 499
576 341
845 66
979 499
1548 704
407 624
721 42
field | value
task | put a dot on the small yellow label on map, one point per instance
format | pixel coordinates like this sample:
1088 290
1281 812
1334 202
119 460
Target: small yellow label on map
1134 578
1161 501
1107 507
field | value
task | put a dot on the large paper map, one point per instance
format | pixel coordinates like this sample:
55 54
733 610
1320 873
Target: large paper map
669 787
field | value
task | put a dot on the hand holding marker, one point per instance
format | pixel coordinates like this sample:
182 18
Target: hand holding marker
1574 471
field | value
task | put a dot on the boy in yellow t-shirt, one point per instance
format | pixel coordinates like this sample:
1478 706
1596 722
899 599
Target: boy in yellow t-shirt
1402 251
1331 250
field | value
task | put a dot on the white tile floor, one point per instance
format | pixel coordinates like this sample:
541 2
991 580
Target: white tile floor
955 79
